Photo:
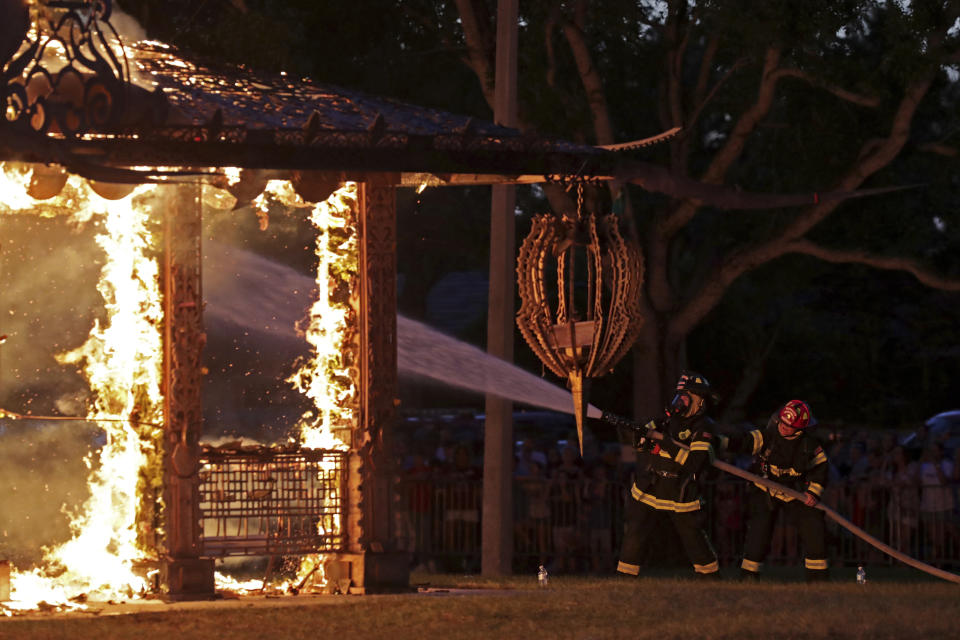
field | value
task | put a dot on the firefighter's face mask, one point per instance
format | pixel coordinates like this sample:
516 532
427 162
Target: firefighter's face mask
685 404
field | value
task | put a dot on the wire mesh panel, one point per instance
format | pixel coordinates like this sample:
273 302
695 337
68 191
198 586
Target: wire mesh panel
268 501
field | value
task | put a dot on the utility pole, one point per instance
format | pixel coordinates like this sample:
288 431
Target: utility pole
497 532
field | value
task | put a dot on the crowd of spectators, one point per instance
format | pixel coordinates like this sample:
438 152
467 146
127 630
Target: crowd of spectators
901 488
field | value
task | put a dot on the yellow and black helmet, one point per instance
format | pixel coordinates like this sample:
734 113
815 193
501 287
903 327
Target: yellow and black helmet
691 384
696 383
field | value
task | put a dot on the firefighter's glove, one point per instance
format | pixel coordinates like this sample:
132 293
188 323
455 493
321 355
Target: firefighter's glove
640 434
810 500
669 446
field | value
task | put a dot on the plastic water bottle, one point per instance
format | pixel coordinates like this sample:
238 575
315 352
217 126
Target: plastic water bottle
542 578
861 575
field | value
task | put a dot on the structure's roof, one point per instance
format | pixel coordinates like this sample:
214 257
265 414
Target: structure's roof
297 113
174 112
283 102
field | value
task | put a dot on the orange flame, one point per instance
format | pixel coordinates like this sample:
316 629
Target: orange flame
326 376
121 360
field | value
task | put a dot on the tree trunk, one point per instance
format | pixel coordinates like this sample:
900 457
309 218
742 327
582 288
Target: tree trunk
655 368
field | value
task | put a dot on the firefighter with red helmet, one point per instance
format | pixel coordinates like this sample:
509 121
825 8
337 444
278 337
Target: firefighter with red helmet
786 453
665 483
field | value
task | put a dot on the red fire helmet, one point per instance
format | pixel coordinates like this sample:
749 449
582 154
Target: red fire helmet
796 414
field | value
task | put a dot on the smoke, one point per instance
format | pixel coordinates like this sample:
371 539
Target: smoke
130 32
42 478
49 267
48 302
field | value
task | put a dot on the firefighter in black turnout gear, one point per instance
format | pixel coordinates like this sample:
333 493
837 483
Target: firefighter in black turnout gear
666 478
785 453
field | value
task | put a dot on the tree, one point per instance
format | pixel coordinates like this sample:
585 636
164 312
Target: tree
775 97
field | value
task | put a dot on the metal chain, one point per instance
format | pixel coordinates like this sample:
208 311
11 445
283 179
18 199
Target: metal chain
580 200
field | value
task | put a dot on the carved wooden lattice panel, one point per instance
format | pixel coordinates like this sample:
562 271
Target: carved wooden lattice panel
272 502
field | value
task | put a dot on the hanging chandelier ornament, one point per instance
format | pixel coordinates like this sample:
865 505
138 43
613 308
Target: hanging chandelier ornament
583 327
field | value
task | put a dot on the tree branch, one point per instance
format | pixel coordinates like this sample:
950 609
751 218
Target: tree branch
748 121
657 179
676 42
939 148
480 46
838 256
706 66
728 154
760 348
592 83
840 92
739 263
703 102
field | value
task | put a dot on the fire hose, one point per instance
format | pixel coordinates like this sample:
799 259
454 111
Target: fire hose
796 495
29 416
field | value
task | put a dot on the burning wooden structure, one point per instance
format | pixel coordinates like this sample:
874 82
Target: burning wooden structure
78 101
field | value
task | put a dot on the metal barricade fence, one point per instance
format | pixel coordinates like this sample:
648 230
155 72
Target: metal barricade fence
578 526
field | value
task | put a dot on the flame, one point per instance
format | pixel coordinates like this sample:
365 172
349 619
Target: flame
243 587
14 181
281 191
328 375
121 360
232 174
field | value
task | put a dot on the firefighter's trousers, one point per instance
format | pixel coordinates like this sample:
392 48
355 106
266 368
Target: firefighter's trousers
763 511
639 524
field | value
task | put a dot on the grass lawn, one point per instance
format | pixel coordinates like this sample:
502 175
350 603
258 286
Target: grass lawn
894 604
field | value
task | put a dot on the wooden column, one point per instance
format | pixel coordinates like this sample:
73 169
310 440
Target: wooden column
497 532
374 563
184 573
